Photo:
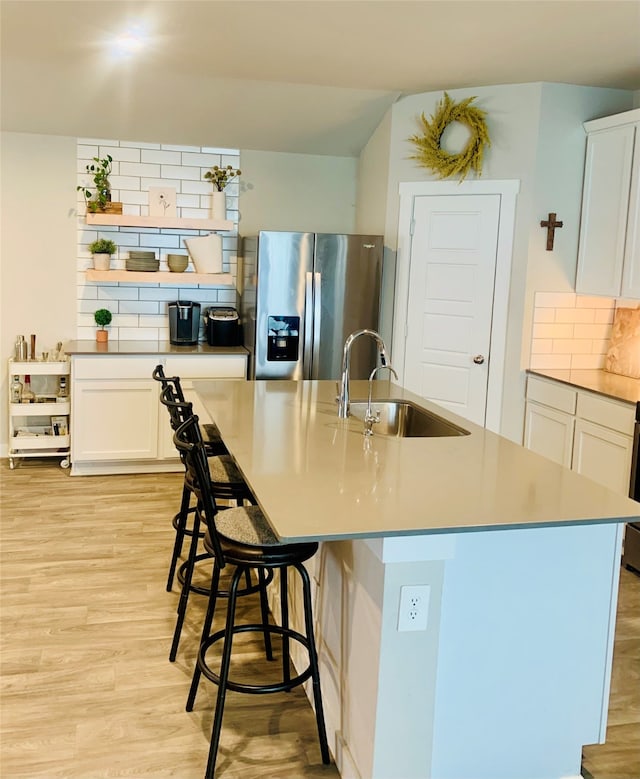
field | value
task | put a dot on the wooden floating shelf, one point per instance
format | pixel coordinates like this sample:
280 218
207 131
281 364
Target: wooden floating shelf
171 222
161 277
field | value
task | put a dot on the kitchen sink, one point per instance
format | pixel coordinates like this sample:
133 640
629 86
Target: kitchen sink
403 419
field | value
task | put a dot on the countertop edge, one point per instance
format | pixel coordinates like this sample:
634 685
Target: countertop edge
115 347
610 385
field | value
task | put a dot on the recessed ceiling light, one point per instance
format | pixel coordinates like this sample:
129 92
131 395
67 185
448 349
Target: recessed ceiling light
129 42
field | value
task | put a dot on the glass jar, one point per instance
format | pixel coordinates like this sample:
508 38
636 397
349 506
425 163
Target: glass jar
16 390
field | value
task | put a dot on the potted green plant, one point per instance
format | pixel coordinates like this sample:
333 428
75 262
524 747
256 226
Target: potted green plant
99 169
103 318
102 249
220 178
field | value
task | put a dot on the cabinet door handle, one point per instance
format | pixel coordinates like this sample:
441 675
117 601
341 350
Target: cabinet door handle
479 359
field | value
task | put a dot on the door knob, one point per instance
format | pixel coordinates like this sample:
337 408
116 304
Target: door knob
479 359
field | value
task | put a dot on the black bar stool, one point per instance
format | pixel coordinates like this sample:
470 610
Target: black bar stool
241 537
215 447
226 483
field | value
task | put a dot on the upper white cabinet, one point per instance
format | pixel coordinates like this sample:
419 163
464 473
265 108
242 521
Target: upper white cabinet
609 251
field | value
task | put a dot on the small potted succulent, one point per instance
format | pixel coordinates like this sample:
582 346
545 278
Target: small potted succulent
102 249
103 318
100 170
220 178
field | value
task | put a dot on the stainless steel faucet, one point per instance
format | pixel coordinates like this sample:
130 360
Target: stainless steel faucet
370 419
343 396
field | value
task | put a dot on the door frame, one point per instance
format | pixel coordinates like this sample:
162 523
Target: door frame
508 190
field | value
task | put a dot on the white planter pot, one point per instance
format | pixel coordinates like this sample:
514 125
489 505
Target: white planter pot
218 205
102 261
206 252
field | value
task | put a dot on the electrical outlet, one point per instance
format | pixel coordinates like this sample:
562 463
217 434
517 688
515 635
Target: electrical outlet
414 607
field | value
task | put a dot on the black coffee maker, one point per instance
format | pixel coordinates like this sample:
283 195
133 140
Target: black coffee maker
184 322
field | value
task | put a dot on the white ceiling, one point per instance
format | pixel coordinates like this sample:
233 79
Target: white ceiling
289 75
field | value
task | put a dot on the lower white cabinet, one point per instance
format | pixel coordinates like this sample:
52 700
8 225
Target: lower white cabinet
584 431
120 426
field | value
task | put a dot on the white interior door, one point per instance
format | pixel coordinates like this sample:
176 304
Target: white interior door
450 301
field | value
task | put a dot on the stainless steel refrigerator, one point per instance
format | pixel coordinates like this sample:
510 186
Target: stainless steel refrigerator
301 296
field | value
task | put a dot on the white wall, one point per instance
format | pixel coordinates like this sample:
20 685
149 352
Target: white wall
37 246
297 192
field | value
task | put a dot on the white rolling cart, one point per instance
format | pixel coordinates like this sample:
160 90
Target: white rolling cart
41 428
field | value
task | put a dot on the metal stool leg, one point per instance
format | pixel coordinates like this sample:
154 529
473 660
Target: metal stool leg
181 526
264 609
186 586
206 630
313 660
284 608
224 675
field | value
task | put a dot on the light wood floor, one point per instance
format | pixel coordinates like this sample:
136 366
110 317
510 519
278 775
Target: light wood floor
87 690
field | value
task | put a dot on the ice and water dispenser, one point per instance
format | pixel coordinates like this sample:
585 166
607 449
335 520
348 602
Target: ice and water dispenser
283 338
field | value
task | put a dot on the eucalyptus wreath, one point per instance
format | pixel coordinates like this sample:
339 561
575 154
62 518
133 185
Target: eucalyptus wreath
429 152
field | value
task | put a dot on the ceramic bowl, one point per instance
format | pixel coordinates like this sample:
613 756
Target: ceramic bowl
177 262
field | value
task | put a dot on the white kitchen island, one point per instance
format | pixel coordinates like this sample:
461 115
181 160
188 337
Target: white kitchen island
520 556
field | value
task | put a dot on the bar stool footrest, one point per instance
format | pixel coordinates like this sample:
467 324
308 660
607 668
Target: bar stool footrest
254 689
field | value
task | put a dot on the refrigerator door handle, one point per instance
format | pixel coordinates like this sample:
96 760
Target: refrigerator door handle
308 326
317 315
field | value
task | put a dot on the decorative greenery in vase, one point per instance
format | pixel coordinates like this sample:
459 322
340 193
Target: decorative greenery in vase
103 317
100 170
221 177
103 246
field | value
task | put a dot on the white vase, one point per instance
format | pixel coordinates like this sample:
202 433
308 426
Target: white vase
102 261
218 205
206 253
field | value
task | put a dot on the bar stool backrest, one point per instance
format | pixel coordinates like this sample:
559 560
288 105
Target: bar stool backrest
174 381
188 441
179 410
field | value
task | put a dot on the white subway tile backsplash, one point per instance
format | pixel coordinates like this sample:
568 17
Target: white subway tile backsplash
600 331
603 316
181 172
541 330
571 346
159 294
541 346
585 301
161 156
574 315
587 361
196 188
188 201
138 334
125 320
120 182
123 154
138 307
140 145
583 344
141 169
555 299
557 361
117 293
202 159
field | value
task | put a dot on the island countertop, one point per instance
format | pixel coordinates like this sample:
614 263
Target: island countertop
317 477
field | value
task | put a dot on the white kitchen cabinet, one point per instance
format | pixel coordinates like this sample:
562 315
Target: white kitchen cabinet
549 432
550 420
581 430
609 249
120 426
603 455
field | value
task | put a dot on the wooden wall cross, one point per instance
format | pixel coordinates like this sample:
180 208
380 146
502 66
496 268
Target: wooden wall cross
551 225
